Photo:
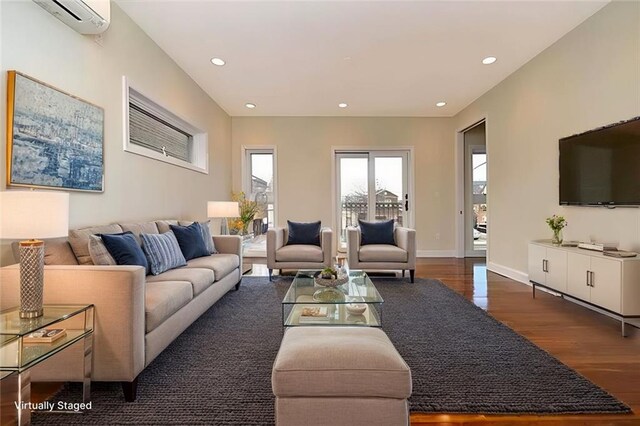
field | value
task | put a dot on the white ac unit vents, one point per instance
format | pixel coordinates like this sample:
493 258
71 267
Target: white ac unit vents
84 16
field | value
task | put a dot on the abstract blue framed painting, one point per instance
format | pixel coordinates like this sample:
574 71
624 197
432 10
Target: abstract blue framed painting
54 140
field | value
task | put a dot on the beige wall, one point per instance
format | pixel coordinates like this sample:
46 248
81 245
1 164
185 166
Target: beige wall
37 44
304 164
589 78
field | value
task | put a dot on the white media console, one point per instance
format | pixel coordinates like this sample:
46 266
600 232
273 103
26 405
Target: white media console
609 285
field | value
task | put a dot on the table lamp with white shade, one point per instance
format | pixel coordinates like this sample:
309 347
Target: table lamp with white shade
32 216
223 210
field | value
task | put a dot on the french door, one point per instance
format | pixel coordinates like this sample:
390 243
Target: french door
372 186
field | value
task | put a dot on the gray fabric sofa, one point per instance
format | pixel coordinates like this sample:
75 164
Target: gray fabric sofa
136 316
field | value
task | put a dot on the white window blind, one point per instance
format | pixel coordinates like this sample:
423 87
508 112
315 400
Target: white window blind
155 132
149 131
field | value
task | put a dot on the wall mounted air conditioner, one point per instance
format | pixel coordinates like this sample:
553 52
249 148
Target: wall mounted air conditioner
84 16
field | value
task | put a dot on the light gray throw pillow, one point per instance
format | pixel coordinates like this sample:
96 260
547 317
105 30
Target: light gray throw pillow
99 253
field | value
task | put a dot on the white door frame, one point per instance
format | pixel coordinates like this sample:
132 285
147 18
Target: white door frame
334 182
460 183
267 149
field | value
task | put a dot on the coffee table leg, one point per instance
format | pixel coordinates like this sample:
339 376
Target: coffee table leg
88 364
24 398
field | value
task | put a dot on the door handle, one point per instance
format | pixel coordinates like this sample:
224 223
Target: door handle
406 202
592 274
588 278
545 265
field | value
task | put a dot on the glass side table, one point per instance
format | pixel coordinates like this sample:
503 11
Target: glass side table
17 356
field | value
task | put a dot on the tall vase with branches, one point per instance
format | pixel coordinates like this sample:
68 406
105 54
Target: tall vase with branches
248 210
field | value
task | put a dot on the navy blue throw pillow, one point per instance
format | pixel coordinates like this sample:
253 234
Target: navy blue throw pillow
376 232
190 240
304 233
124 249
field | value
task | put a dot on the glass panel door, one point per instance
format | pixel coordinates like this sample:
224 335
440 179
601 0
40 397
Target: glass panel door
479 188
259 185
353 192
372 186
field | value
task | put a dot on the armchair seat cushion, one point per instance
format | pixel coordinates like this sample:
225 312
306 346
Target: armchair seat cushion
199 278
163 299
299 253
221 264
382 253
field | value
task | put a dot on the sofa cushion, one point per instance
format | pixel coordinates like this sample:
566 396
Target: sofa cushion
163 225
190 240
376 232
57 251
163 299
382 253
137 228
339 362
79 240
303 233
299 253
99 253
221 264
162 251
200 278
125 249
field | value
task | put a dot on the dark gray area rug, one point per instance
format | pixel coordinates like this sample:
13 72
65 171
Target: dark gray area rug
218 372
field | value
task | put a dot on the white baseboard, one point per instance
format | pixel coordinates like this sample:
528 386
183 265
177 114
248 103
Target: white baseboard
435 253
514 274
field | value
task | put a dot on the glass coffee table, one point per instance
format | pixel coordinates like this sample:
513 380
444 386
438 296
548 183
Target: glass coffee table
355 303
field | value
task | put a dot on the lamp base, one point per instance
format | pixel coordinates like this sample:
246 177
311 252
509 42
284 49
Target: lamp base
31 278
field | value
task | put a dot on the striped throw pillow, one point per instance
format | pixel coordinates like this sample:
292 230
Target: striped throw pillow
162 251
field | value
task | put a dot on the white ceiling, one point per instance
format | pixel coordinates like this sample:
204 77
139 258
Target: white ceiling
384 58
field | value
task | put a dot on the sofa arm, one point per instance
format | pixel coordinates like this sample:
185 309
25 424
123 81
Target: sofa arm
229 244
275 241
326 243
353 246
406 240
118 295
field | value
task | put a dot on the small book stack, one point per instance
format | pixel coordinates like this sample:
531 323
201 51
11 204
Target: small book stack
45 335
314 314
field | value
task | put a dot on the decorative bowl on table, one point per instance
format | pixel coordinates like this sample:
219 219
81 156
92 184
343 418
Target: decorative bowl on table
329 277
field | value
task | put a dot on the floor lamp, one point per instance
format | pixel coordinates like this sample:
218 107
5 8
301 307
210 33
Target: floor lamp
223 210
33 215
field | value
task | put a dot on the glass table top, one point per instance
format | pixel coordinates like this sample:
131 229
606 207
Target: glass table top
359 289
11 323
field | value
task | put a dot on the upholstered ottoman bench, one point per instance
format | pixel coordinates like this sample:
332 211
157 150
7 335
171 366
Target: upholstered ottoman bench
340 376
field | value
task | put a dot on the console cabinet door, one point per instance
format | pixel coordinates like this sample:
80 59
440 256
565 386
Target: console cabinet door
577 267
557 269
606 283
537 254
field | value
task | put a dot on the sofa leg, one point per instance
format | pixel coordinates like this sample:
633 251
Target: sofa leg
412 274
403 271
237 287
270 274
130 390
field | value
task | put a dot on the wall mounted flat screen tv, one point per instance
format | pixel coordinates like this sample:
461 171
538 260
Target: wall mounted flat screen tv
602 166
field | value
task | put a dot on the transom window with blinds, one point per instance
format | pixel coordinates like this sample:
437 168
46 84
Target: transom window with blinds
153 131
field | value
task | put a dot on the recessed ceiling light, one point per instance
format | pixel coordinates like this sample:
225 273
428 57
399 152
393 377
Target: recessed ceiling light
440 104
489 60
217 61
342 105
250 105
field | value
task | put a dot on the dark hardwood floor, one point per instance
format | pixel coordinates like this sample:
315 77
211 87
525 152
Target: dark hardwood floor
586 341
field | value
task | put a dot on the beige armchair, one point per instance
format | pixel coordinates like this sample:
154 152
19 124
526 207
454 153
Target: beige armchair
297 256
401 256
